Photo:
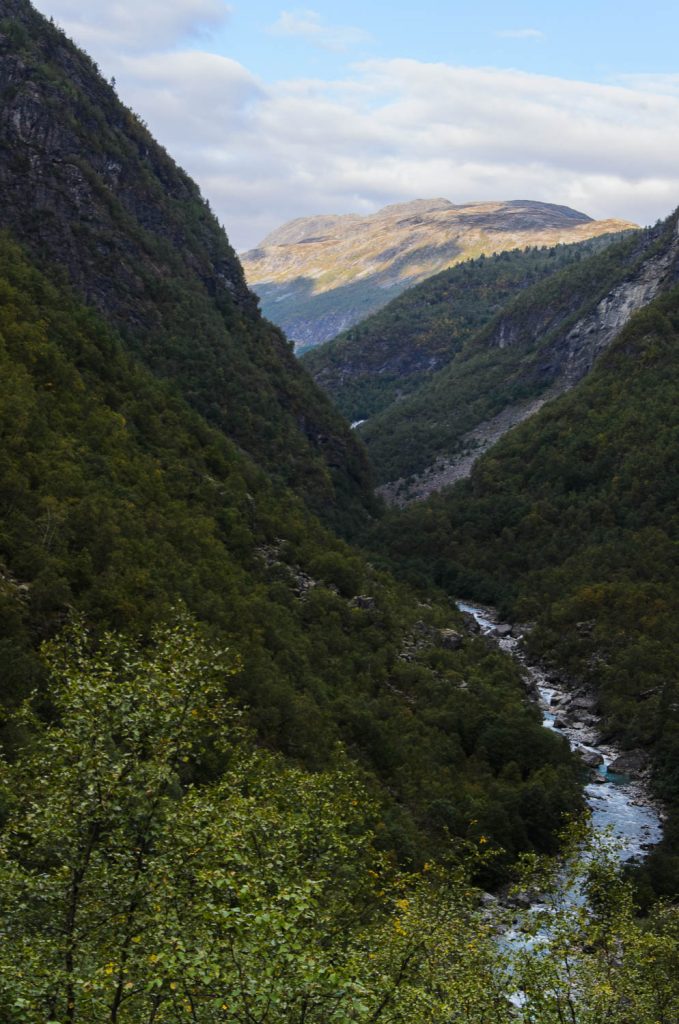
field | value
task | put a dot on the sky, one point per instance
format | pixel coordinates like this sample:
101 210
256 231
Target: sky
283 111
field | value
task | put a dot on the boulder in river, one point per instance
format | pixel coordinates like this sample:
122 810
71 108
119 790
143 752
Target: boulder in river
629 763
470 623
583 704
502 630
592 758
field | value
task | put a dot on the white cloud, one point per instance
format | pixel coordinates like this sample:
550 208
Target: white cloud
668 84
402 129
520 33
110 25
308 25
392 130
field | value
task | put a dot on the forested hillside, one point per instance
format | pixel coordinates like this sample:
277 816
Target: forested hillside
88 190
387 356
541 343
250 773
572 520
119 501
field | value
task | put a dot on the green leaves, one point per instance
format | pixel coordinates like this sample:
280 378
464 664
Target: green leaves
130 894
583 956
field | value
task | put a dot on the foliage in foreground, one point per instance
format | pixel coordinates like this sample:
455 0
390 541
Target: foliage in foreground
581 955
131 892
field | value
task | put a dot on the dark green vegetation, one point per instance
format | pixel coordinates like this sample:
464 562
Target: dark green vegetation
132 895
572 520
545 339
87 189
390 354
118 500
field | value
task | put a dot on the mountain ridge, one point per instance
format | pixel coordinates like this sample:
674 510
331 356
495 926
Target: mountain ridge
542 343
316 276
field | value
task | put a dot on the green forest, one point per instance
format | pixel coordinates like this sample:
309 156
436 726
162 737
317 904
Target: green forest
571 521
392 353
119 501
167 853
515 357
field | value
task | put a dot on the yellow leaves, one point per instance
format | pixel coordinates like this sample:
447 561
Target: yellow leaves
109 968
153 958
403 904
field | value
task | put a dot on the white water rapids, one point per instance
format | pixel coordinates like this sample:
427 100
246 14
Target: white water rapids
617 802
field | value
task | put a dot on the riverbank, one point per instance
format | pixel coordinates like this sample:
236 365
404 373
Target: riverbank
618 793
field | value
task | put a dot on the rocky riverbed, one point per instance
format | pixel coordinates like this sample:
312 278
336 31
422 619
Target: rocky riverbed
617 793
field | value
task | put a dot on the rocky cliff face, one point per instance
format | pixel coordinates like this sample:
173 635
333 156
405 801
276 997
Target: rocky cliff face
317 276
85 174
88 191
575 354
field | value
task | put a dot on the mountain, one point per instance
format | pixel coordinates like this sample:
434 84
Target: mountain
316 276
572 520
88 190
391 353
539 345
162 449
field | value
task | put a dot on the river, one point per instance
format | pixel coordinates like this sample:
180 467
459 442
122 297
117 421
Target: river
618 802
